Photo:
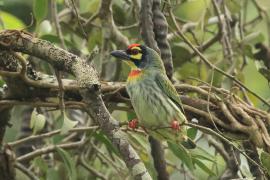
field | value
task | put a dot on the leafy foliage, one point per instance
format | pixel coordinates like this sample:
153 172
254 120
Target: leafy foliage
247 24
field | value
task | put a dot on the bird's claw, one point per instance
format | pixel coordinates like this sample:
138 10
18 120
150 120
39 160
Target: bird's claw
175 125
133 124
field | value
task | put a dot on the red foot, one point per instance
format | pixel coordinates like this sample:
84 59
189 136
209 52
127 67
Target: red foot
133 124
175 125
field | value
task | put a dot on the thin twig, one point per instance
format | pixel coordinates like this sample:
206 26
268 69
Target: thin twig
49 149
49 134
69 104
93 171
27 172
61 92
78 19
212 132
207 62
92 18
57 24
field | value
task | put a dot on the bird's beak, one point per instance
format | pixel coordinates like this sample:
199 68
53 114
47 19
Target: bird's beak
120 54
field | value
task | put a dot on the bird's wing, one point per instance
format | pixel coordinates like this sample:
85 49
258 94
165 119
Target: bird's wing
167 87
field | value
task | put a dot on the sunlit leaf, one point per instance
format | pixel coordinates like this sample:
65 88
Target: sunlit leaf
10 21
246 172
40 163
184 155
204 167
93 6
234 6
253 38
67 124
203 154
40 9
69 163
192 10
252 75
37 122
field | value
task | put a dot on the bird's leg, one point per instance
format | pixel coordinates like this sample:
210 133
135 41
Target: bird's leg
175 125
133 124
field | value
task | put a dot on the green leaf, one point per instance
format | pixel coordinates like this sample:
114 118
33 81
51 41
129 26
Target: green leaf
248 50
40 163
52 174
204 167
192 132
94 39
55 39
119 14
184 155
187 70
246 172
138 140
69 163
180 54
37 122
265 73
93 6
102 138
265 158
264 4
192 10
253 38
67 124
200 153
131 115
40 9
10 21
234 6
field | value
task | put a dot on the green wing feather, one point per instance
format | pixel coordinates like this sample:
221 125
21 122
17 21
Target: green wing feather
167 87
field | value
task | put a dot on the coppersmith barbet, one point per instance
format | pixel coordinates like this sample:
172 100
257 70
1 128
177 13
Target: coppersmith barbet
153 96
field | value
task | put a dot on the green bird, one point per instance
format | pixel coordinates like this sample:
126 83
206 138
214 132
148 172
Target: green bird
153 96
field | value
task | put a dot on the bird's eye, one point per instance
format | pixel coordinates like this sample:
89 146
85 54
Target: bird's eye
134 51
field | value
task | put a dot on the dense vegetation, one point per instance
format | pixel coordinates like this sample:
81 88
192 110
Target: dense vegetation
64 115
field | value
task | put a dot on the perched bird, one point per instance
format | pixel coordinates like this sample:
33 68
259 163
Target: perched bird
153 96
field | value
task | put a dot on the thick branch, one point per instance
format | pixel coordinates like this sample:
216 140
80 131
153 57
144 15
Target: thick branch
89 85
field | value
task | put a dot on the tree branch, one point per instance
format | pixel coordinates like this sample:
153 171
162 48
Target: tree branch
89 89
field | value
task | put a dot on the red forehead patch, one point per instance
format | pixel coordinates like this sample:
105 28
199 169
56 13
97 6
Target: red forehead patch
133 45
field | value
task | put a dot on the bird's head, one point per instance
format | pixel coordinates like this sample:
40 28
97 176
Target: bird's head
138 56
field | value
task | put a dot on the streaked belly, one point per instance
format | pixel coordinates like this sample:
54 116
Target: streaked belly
152 107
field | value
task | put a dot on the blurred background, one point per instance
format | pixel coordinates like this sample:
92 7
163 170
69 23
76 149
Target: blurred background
88 33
